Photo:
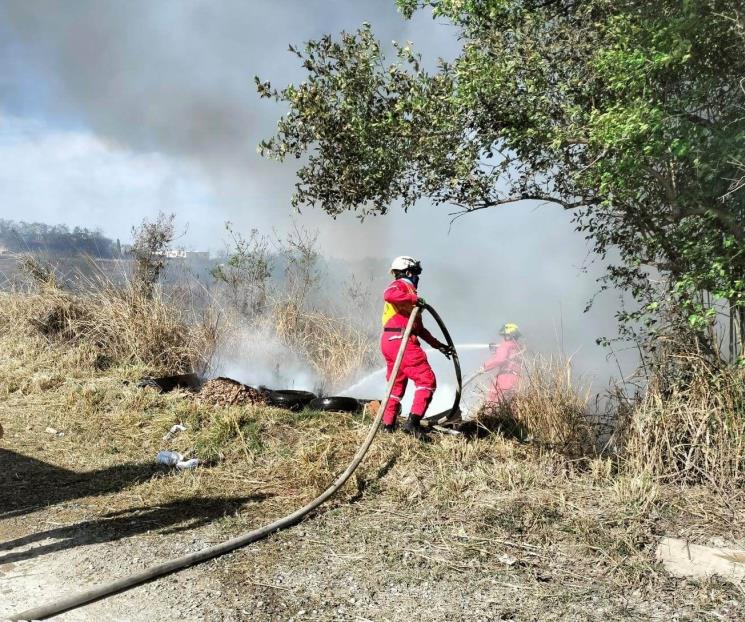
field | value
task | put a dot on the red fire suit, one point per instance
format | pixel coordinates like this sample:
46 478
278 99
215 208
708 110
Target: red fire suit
506 360
400 298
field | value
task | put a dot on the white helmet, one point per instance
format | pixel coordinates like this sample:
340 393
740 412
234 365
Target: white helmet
404 263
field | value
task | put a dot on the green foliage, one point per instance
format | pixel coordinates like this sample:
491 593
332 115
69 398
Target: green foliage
629 113
246 272
361 122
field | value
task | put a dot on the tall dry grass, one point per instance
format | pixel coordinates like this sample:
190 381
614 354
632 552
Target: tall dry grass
692 431
336 347
476 492
118 323
550 408
331 335
688 426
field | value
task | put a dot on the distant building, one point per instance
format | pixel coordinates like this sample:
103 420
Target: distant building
171 253
180 253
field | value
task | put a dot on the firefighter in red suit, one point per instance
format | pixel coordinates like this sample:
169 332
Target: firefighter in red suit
506 360
400 299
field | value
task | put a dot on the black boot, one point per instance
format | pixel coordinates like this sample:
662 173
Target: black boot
389 428
414 427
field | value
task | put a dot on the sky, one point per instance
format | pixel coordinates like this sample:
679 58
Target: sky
116 110
111 111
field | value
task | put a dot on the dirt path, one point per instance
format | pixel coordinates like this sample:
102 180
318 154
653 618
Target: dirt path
62 531
33 573
360 562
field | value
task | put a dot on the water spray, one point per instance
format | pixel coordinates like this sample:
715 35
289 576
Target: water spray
460 347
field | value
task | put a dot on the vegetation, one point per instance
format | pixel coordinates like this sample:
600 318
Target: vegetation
628 113
275 288
544 512
246 272
569 534
105 324
56 240
151 241
551 410
692 432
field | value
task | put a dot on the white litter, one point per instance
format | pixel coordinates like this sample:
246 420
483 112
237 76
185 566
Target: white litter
174 430
187 464
175 459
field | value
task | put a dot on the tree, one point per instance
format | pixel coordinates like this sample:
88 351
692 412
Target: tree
151 241
627 112
299 253
246 272
56 240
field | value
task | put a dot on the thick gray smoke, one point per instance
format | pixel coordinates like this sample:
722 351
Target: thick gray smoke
176 77
112 110
172 76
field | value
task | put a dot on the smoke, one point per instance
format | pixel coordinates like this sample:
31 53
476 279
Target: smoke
176 77
257 358
132 107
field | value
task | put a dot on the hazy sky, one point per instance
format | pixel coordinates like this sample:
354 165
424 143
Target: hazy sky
111 110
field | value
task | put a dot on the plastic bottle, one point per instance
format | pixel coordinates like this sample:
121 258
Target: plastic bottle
169 458
187 464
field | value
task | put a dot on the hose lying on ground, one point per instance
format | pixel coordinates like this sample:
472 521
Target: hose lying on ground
120 585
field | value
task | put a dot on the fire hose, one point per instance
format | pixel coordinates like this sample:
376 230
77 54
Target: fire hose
155 572
454 410
472 377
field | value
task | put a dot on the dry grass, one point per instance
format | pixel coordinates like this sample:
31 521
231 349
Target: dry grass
550 409
492 487
336 347
449 511
687 428
113 325
553 408
690 432
579 521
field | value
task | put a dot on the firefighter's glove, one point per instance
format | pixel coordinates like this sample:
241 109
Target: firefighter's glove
447 350
421 302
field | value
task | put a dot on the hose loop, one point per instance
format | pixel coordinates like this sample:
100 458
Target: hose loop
455 408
